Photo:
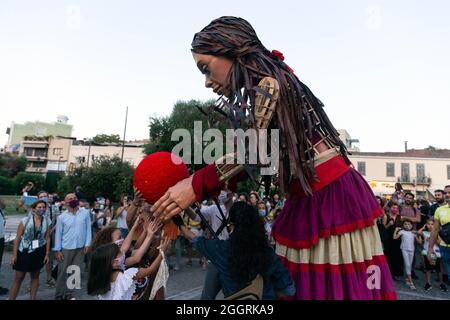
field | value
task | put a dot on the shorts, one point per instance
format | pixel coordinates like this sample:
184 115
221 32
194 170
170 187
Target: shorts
430 267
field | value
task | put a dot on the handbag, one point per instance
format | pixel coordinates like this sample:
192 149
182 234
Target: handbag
445 233
254 291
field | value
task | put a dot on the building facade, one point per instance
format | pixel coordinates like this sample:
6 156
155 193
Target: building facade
20 132
83 155
46 154
419 171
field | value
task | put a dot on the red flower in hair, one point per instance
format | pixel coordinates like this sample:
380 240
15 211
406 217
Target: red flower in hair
280 56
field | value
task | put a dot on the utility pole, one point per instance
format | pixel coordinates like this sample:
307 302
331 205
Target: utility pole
89 152
124 133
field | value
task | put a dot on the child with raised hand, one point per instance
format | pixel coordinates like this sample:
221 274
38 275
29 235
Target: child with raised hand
408 238
435 263
108 278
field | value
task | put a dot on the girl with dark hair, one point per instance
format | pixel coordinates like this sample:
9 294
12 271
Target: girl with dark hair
108 278
326 233
245 255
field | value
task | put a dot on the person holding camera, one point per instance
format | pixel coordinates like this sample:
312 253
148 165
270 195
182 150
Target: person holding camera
31 248
122 216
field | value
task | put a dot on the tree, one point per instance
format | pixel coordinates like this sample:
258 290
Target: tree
183 116
6 186
108 177
11 164
105 138
23 178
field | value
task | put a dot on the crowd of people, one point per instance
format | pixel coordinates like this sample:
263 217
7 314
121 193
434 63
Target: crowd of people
413 236
124 249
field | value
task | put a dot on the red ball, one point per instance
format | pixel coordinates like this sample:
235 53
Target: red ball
157 172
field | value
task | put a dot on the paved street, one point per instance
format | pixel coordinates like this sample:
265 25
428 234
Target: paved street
184 284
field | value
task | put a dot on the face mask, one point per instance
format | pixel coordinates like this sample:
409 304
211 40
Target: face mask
262 213
119 242
45 199
40 212
74 203
121 262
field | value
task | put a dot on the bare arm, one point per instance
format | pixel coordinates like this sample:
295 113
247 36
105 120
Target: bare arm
141 239
17 240
138 198
47 245
434 236
397 233
139 253
128 239
144 272
131 213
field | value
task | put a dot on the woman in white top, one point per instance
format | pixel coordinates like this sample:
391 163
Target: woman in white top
108 278
122 216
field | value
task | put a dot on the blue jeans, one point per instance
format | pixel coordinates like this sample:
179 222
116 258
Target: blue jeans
445 258
212 284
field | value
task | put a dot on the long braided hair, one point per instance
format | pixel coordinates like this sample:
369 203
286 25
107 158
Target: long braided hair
299 113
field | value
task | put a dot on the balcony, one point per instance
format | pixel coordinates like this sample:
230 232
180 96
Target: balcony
425 181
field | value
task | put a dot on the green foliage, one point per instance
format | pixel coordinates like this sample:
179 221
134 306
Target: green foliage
107 177
106 138
38 138
23 178
6 186
183 116
11 164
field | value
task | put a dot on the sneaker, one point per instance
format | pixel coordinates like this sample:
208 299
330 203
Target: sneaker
427 287
443 287
69 297
412 287
50 283
3 291
176 268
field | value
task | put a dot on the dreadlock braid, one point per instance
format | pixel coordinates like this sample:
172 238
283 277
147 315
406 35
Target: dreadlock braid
298 113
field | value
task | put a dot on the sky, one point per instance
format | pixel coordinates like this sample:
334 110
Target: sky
381 68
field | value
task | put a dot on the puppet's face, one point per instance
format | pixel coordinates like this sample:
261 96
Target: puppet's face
216 71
